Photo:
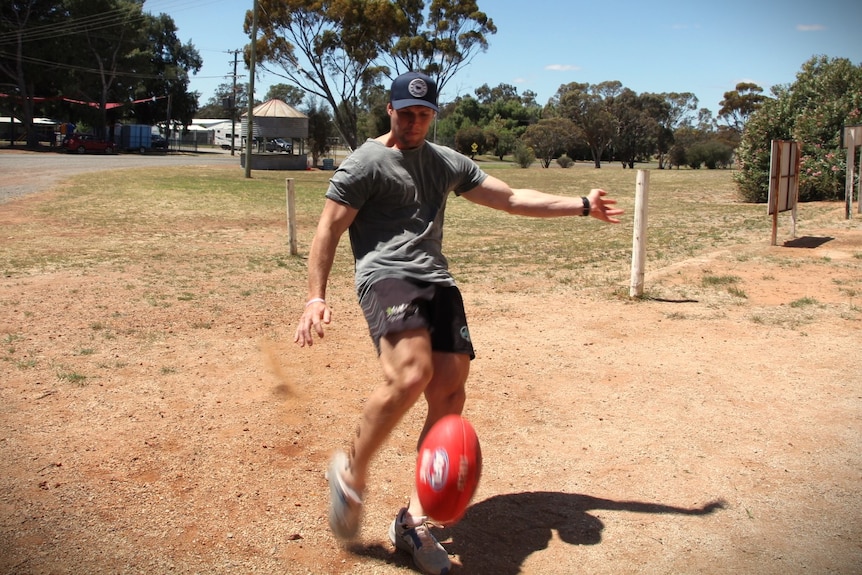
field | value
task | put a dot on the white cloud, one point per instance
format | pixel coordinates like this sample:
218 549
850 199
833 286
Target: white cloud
562 67
810 27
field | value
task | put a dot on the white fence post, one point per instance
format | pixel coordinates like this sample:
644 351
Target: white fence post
639 235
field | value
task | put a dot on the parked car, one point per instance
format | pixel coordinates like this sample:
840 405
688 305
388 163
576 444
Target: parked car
159 142
278 145
82 143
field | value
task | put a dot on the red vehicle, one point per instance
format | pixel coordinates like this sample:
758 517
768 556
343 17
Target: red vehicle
82 143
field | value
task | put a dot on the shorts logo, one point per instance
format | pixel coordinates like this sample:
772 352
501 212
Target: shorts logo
465 333
400 311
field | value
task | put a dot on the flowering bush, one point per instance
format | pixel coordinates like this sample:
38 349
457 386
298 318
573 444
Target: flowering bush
826 96
769 122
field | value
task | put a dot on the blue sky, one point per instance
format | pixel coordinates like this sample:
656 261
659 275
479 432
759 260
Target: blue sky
660 46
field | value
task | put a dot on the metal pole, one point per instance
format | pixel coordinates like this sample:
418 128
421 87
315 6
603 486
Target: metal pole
233 107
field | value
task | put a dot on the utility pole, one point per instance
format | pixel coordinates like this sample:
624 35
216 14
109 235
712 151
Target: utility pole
250 132
232 102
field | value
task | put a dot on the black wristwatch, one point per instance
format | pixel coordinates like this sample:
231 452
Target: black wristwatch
586 201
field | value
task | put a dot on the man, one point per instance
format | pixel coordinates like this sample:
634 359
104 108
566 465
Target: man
391 195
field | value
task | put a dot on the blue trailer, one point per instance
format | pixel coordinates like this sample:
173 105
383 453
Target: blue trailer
136 137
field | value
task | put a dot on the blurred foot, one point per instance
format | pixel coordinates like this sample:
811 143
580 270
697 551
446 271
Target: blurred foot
345 505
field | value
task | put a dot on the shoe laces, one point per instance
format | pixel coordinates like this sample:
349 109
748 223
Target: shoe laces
429 543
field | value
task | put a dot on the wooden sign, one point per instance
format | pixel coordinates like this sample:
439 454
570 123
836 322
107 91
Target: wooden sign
783 176
851 136
783 183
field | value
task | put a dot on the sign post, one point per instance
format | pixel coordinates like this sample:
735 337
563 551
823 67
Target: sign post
851 138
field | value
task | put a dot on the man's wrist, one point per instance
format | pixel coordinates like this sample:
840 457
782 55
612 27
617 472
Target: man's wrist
315 300
586 202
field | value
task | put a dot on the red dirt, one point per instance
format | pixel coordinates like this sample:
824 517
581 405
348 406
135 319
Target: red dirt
700 432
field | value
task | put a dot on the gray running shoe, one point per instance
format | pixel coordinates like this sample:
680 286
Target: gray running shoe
345 505
428 555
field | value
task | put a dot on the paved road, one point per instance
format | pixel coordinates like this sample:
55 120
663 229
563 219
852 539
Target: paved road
23 173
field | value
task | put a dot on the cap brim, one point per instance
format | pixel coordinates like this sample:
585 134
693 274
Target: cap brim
398 104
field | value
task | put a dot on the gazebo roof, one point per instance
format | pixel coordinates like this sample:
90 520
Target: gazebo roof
276 109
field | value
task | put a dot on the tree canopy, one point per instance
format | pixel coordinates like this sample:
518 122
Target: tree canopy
125 55
587 107
291 95
339 50
439 41
550 138
738 105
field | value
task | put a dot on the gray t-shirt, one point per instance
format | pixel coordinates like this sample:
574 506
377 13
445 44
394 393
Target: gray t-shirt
401 197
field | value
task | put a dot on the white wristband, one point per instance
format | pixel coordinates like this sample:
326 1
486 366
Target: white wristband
315 300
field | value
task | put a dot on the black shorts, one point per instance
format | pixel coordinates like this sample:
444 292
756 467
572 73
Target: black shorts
396 305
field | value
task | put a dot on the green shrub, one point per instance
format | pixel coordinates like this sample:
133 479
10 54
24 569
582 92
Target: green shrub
710 153
467 138
524 155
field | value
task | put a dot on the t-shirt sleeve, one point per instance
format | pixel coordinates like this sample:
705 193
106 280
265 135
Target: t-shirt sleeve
348 184
473 175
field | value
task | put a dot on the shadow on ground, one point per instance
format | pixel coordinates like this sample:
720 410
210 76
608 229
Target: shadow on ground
809 242
498 534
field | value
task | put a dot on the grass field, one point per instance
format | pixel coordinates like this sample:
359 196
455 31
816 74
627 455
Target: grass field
132 216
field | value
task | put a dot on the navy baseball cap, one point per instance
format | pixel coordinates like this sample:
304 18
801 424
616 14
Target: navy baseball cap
413 89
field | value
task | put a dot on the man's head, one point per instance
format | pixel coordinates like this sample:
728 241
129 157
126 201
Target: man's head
413 89
412 108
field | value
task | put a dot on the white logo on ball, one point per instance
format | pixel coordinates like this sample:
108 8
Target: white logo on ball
417 88
436 469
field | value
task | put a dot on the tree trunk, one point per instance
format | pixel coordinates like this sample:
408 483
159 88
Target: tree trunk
597 157
28 111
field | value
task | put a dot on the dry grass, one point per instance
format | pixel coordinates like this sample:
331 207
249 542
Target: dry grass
153 218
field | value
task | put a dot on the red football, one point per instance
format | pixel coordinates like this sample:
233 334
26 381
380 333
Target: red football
448 469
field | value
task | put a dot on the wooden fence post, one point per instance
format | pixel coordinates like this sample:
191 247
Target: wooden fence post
291 216
639 235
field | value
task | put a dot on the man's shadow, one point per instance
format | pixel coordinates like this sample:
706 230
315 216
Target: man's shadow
498 534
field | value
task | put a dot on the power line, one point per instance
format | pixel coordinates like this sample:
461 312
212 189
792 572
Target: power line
71 26
76 26
49 63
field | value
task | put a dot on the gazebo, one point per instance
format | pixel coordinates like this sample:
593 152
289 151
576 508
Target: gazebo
275 119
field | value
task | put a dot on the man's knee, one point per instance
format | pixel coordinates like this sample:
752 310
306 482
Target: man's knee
413 379
445 393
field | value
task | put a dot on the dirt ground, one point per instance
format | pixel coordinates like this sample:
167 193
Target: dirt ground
145 428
